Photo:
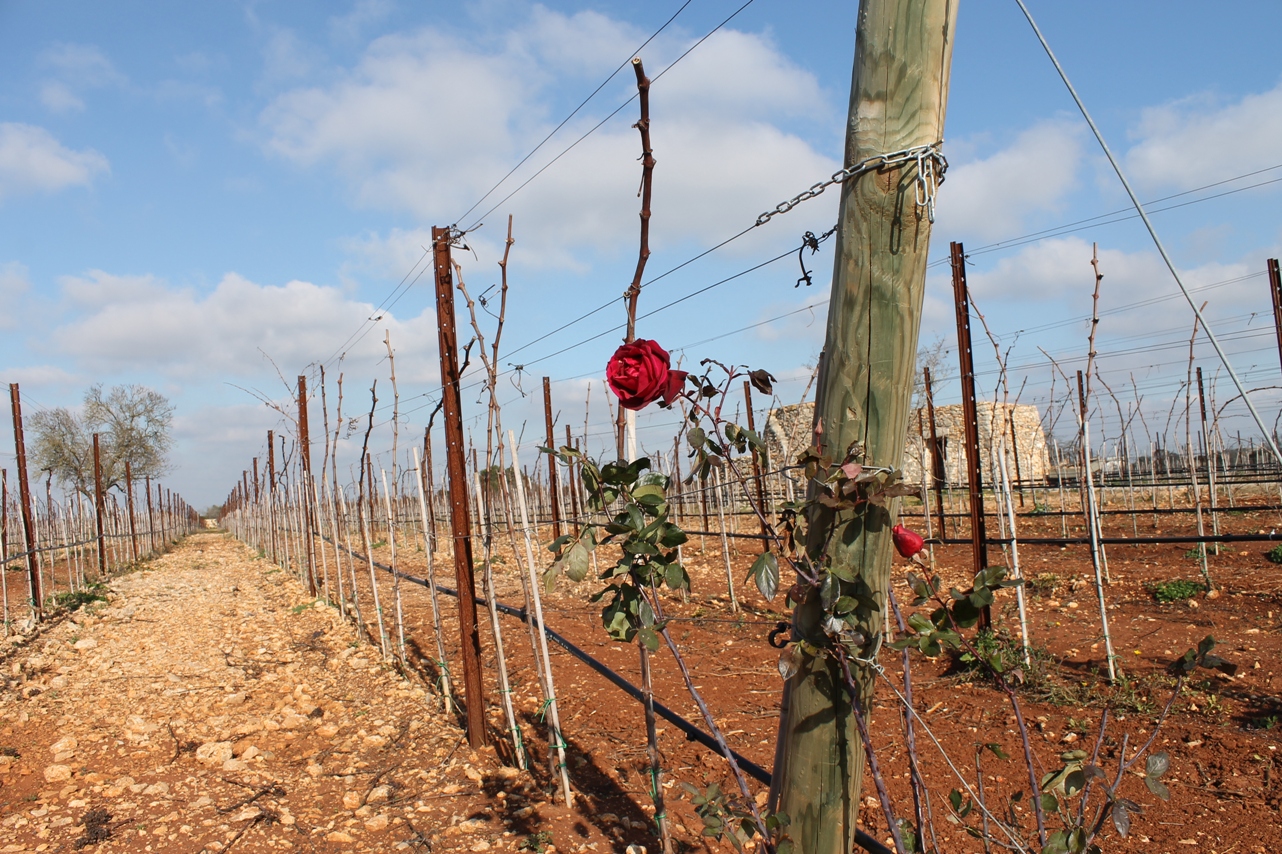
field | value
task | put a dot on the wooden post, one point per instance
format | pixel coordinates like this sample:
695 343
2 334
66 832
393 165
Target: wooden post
99 508
553 493
305 456
24 500
756 472
903 54
456 464
129 492
970 415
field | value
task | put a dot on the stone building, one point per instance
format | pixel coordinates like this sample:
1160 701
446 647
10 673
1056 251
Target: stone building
787 433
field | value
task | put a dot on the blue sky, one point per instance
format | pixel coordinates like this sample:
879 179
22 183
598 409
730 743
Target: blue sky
190 193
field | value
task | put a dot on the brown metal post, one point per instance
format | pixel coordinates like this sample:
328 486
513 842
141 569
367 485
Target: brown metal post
160 514
4 519
1210 458
570 472
456 465
970 415
133 525
1275 289
431 488
271 490
679 497
24 500
756 470
1014 450
937 473
99 505
305 453
553 490
151 519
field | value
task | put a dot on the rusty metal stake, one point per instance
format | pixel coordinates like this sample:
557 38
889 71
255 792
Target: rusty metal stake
305 454
99 507
133 525
24 498
1275 289
271 491
756 471
456 466
553 492
937 473
970 415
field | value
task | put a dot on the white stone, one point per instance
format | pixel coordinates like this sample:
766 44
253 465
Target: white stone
214 753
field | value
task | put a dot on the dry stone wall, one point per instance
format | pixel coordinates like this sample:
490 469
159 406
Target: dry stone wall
788 431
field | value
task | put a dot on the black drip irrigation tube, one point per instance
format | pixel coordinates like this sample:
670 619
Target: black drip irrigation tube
692 732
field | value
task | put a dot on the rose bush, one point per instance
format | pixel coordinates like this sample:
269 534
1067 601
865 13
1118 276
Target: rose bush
641 372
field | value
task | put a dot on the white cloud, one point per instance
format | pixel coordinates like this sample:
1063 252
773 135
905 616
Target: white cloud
36 377
993 197
364 14
123 323
1057 272
73 69
32 160
426 122
14 283
286 57
1193 142
14 280
58 97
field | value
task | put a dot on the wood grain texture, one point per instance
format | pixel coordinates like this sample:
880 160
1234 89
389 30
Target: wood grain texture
899 91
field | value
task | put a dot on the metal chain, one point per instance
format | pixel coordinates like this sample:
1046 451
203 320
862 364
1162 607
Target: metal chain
931 166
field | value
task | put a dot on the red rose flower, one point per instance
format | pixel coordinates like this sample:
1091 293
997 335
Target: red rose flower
907 542
641 373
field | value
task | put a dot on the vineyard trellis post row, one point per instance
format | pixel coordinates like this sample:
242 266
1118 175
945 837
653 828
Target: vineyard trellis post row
970 417
456 468
24 498
899 91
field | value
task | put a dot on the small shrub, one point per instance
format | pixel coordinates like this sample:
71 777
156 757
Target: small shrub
1005 651
1044 583
1174 591
1274 554
536 842
1193 554
80 598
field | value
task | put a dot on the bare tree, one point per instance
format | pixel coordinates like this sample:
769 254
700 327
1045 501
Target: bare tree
133 423
935 356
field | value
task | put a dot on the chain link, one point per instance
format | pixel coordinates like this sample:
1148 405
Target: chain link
931 166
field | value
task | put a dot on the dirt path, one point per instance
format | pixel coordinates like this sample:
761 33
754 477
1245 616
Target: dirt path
209 705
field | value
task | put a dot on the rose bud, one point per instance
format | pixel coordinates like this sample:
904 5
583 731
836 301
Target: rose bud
907 543
640 373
